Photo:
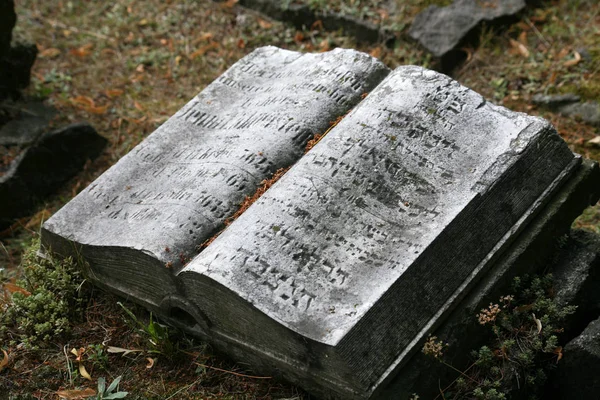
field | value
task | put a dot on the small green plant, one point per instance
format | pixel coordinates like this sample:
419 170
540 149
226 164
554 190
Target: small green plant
97 356
107 393
157 334
525 344
47 301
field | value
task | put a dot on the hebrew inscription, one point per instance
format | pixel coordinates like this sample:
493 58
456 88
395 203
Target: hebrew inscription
174 190
328 240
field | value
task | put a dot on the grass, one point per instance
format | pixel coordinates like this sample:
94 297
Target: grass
127 65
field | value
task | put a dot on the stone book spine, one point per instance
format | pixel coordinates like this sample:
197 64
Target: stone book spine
335 275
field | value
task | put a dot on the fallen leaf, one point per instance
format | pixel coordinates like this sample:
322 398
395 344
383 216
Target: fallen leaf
204 37
520 48
563 53
140 68
78 353
203 50
76 394
538 323
112 93
594 141
574 61
298 37
376 52
82 51
138 106
241 44
264 24
559 353
119 350
230 3
84 372
150 363
83 101
5 360
98 110
12 288
324 45
50 53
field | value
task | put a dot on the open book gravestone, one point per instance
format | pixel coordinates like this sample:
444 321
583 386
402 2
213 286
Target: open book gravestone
332 278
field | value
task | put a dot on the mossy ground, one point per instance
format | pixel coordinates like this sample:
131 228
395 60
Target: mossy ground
127 65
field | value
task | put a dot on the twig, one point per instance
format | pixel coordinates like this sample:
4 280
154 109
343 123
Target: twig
233 373
546 43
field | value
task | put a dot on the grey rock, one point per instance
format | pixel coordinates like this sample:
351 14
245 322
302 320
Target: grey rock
27 126
441 29
44 167
577 272
554 101
578 371
588 112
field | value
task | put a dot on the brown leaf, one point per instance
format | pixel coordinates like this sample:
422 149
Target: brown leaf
112 93
204 37
230 3
76 394
100 110
264 24
49 53
84 372
150 363
12 288
520 48
82 51
241 44
138 106
83 101
559 353
202 50
5 360
324 45
538 323
376 52
574 61
298 37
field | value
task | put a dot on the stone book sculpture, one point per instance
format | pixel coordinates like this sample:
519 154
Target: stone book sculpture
335 275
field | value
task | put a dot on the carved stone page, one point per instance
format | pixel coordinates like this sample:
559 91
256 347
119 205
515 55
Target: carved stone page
371 236
174 190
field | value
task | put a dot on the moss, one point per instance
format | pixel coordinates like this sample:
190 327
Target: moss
46 302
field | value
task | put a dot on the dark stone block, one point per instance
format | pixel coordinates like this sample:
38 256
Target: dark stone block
27 124
442 29
579 371
44 167
15 69
8 19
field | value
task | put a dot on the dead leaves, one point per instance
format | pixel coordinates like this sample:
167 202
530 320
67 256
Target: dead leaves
12 288
76 394
79 358
5 361
595 141
120 350
203 50
82 51
87 104
574 61
50 53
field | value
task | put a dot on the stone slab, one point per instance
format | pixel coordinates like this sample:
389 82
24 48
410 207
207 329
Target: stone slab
43 167
441 29
337 273
28 125
536 250
176 189
377 232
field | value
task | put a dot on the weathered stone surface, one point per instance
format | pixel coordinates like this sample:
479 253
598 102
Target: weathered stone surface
372 237
442 29
335 276
536 249
175 190
43 167
28 124
578 371
554 101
